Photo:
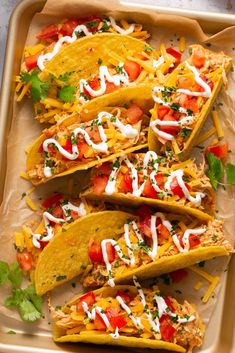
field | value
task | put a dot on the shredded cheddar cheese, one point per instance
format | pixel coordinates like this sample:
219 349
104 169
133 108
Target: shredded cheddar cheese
210 290
24 175
213 280
182 44
217 124
205 136
30 203
197 285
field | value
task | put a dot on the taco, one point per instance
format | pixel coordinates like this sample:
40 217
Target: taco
92 67
109 131
57 213
65 256
129 316
145 246
183 102
145 178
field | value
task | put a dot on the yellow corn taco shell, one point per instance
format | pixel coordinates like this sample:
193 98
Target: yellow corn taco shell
66 255
140 95
106 339
155 145
130 200
81 57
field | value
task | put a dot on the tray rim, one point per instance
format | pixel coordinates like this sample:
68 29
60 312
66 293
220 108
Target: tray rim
7 95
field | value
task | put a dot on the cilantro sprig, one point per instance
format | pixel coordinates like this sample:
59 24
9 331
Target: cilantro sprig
67 94
217 171
39 89
25 300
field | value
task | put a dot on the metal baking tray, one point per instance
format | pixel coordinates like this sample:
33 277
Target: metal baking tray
221 330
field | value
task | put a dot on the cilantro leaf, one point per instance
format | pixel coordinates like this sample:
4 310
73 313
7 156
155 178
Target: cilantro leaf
216 171
65 77
39 89
4 272
15 274
67 94
27 302
230 171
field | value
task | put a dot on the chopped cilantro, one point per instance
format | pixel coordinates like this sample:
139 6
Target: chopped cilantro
105 27
39 89
11 332
60 278
175 107
185 132
201 264
100 61
119 70
190 51
230 171
216 171
91 24
65 77
67 94
148 49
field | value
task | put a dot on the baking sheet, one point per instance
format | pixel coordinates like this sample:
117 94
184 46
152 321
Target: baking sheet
13 208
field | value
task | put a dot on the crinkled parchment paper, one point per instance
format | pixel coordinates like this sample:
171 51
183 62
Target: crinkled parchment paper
25 129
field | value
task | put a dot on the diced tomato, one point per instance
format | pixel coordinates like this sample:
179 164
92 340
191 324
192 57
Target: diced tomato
24 260
68 145
82 148
68 27
95 253
125 296
99 323
57 212
74 215
48 32
134 113
91 22
43 244
132 69
162 111
160 180
31 61
198 58
145 225
176 189
178 275
220 151
115 319
184 82
94 84
110 87
149 190
94 134
169 303
88 298
105 168
208 81
110 252
166 329
52 200
163 233
169 129
126 183
177 55
194 240
99 184
143 211
191 104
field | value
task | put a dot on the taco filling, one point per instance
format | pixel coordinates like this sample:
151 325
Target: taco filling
186 97
150 238
133 312
75 146
147 176
57 213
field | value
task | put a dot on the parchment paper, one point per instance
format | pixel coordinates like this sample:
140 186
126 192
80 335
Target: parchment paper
14 212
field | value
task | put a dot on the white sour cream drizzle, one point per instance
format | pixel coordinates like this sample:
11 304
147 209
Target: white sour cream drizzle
154 324
104 76
92 314
136 321
47 218
178 174
164 309
137 191
126 130
188 117
70 39
185 238
159 62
